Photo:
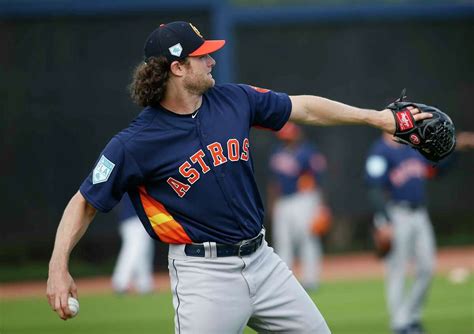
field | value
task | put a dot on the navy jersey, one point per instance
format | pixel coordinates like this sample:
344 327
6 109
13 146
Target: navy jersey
297 169
191 177
400 170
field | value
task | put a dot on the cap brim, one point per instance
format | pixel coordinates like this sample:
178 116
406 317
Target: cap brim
208 47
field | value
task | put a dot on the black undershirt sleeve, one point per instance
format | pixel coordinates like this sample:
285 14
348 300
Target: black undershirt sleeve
378 200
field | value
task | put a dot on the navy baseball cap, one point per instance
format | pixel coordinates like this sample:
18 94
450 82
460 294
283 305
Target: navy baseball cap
178 40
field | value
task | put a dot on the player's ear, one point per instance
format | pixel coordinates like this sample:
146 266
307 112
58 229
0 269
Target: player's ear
177 68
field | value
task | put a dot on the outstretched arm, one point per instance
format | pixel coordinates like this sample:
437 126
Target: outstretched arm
317 110
74 223
465 141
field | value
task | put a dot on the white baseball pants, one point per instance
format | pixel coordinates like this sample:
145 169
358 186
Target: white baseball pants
134 267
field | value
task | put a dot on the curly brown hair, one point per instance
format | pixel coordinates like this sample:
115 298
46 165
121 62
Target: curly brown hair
149 82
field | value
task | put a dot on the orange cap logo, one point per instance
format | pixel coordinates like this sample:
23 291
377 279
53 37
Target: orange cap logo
196 30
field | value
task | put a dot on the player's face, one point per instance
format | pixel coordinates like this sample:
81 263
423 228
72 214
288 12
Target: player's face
198 78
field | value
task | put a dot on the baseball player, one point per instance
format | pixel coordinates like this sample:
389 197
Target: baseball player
397 176
186 163
296 200
134 266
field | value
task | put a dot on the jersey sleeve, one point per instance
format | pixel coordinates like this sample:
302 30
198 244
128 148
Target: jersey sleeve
114 173
269 109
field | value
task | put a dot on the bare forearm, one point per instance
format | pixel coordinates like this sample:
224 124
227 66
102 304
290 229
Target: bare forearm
74 223
321 111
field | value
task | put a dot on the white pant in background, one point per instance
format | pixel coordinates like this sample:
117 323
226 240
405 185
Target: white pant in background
414 243
134 267
292 218
220 295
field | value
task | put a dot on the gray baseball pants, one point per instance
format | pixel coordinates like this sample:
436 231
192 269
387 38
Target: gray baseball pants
225 294
414 243
292 218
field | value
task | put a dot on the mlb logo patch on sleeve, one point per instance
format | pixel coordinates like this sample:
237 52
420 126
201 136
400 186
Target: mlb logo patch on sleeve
102 171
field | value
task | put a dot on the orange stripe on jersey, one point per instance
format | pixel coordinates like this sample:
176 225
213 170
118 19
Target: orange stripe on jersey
162 222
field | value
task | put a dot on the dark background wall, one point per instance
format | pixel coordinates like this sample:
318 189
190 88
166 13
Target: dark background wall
63 95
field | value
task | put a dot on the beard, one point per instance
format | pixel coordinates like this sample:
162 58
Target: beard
198 84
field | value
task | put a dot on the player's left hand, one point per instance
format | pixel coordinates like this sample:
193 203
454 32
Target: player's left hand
388 122
382 236
434 136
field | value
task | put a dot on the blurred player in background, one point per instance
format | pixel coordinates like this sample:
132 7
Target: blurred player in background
296 202
134 267
397 176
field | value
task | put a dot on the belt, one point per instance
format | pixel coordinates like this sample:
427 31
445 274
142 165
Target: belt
243 248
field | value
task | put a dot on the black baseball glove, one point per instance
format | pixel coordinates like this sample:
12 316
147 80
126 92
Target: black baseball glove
434 137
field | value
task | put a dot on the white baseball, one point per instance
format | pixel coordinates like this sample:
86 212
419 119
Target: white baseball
73 304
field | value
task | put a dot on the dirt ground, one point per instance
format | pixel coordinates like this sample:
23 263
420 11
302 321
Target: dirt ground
335 267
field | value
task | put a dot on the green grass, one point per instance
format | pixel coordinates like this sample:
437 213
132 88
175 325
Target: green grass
349 308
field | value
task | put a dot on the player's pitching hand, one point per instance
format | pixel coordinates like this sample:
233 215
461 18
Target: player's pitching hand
59 287
387 121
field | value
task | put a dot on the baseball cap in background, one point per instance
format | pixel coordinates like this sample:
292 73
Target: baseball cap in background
178 40
290 131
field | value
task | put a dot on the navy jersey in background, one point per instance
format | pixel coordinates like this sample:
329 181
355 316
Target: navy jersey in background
297 168
400 170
